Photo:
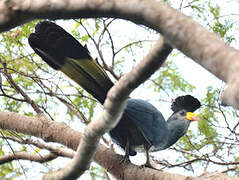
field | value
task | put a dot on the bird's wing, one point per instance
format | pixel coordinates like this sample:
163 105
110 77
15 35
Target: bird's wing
63 52
149 120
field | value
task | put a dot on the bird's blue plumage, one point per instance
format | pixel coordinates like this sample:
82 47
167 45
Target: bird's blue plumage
149 120
141 124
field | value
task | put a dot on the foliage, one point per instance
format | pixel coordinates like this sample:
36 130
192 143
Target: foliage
168 79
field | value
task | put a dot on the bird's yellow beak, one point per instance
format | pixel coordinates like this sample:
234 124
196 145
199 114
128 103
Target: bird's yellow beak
191 116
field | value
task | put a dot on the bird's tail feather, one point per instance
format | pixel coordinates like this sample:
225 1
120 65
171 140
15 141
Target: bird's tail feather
63 52
90 76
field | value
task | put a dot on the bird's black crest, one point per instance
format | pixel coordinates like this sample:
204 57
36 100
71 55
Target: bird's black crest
188 102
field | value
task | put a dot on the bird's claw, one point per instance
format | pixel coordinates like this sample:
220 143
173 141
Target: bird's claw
148 165
125 159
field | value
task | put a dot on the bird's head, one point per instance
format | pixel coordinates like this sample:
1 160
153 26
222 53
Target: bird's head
178 123
184 106
183 115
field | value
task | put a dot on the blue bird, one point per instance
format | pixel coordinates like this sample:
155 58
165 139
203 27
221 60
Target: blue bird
142 127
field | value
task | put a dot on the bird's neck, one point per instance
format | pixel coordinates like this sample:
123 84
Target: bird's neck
177 128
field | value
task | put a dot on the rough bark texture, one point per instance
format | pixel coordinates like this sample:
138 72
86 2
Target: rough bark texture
28 156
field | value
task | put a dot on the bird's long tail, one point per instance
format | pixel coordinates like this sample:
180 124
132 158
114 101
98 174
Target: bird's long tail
63 52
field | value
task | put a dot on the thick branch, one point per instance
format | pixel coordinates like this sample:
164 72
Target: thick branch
182 32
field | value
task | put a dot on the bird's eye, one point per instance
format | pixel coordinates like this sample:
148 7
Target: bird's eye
182 113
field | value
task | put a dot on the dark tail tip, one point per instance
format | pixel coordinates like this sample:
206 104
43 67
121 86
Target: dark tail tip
53 44
187 102
41 26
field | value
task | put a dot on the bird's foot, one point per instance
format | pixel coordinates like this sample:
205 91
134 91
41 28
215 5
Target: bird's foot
125 159
149 165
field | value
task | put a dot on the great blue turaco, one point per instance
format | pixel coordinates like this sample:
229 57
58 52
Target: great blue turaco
142 126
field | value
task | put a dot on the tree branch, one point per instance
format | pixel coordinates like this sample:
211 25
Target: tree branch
55 150
19 90
182 32
28 156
